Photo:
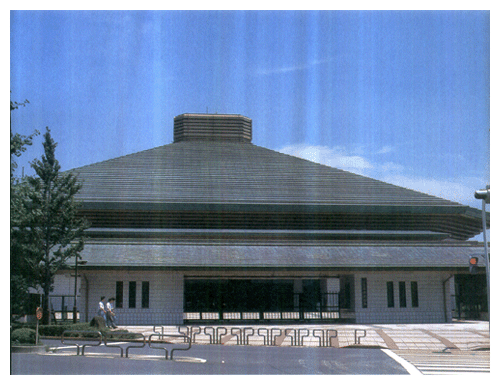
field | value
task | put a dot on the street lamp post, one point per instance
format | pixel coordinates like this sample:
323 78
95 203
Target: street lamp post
77 262
484 195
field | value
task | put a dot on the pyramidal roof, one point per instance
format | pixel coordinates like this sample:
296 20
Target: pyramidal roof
212 161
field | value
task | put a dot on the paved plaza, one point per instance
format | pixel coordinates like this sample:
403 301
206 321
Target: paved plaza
458 336
454 348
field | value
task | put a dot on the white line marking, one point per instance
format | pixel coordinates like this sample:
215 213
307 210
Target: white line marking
405 364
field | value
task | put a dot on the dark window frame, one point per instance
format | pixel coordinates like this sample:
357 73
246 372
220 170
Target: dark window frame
364 293
145 294
414 294
402 294
119 294
390 294
132 294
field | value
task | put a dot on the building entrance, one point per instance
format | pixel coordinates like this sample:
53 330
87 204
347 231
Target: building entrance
230 300
238 295
471 297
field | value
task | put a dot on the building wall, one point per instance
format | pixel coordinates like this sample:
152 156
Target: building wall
432 289
166 296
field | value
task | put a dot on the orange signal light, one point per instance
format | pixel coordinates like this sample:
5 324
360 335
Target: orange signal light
473 265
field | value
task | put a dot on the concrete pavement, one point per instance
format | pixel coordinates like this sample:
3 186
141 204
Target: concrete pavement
210 360
456 336
399 349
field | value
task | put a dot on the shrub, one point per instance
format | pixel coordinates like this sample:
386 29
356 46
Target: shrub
57 330
23 336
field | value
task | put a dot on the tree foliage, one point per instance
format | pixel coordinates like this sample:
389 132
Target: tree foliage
49 230
19 274
18 143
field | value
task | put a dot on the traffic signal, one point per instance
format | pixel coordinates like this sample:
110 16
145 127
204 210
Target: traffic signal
473 262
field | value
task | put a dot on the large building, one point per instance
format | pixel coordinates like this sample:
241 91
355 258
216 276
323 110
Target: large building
212 228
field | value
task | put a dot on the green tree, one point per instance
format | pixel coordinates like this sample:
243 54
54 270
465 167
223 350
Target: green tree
50 231
19 275
18 143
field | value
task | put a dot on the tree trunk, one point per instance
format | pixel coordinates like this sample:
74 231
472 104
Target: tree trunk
46 303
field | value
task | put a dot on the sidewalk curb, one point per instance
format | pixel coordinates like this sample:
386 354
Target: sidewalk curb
28 348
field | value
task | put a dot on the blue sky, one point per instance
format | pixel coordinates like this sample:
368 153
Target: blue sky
400 96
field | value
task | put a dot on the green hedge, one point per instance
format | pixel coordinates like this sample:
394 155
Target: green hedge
57 330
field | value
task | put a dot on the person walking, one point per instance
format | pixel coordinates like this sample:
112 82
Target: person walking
110 313
101 310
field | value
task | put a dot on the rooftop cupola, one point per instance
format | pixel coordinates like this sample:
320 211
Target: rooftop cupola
236 128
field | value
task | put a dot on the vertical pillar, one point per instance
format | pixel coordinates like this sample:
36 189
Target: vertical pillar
297 289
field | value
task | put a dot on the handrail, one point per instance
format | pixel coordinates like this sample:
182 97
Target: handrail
150 342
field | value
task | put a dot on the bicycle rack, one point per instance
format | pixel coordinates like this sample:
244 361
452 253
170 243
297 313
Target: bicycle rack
136 346
182 327
154 329
246 336
266 336
130 339
293 338
323 339
195 333
150 342
238 335
97 333
301 339
189 331
357 339
219 336
273 340
215 334
212 336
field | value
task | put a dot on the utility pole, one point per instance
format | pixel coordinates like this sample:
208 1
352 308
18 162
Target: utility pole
484 195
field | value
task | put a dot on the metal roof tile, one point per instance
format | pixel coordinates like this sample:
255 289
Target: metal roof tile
234 172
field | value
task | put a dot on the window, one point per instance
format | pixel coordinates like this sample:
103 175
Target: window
119 294
145 295
390 294
414 294
402 294
132 285
364 293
